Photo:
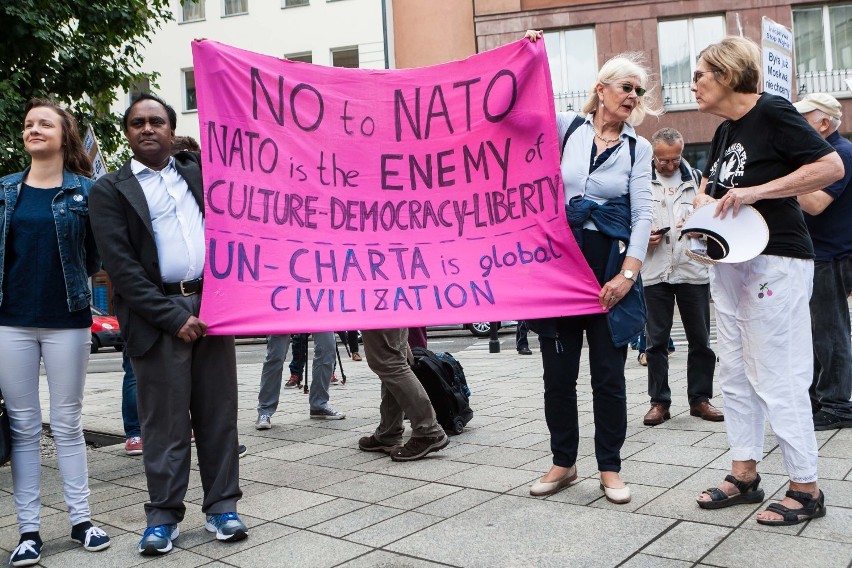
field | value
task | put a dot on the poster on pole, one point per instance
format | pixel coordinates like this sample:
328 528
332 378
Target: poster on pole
364 199
777 46
90 145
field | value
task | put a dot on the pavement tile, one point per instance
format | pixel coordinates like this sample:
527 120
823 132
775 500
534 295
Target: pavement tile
756 548
688 541
679 504
303 549
293 452
660 475
647 561
490 478
677 455
639 496
356 520
384 559
372 487
496 523
436 467
321 513
388 531
456 503
280 502
835 526
504 457
420 496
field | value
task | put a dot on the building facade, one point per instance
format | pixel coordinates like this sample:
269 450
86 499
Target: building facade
582 34
343 33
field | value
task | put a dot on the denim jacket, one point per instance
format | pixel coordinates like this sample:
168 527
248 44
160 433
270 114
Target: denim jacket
77 250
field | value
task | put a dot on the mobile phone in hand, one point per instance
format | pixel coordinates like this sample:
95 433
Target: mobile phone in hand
662 231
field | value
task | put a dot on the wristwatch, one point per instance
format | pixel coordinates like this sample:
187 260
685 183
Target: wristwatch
629 274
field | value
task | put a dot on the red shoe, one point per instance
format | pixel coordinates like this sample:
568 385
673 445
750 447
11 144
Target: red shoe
334 380
292 383
133 446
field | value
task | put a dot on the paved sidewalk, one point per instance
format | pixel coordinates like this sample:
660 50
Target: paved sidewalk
312 499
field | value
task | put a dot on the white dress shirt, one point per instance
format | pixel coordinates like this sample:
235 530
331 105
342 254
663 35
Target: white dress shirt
177 220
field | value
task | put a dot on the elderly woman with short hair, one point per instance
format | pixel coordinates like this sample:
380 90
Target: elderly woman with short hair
605 165
764 154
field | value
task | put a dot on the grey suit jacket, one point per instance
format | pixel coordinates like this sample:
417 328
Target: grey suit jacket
124 233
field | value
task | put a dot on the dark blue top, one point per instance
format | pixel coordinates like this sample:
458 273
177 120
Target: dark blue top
830 230
34 284
594 163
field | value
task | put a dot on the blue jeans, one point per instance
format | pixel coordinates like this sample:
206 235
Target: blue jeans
299 345
325 349
832 383
129 410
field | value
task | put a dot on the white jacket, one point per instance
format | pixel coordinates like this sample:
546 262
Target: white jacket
668 261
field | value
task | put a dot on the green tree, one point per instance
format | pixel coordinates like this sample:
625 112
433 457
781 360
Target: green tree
79 52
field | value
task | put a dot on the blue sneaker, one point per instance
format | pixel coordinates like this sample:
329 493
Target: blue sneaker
27 553
91 537
227 526
158 540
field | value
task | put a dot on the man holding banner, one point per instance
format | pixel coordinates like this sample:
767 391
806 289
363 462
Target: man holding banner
148 222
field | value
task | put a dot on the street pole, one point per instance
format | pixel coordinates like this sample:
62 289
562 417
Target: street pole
494 344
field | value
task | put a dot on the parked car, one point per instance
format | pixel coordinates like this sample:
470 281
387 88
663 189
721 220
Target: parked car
105 331
479 329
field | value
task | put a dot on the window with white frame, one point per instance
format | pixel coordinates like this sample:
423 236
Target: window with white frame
680 43
192 11
291 3
304 57
234 7
136 89
823 44
189 101
345 57
572 56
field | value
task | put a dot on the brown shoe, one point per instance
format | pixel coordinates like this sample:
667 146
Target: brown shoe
658 414
706 411
643 359
371 444
356 356
416 448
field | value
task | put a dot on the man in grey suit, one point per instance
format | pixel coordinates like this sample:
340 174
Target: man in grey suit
148 221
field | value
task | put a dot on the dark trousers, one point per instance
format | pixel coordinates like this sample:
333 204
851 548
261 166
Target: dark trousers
416 337
521 340
832 383
350 338
561 358
182 387
129 411
299 347
693 303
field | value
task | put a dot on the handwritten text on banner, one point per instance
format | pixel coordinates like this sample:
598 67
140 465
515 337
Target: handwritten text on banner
362 199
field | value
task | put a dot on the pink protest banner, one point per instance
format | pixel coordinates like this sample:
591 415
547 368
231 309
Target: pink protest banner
363 199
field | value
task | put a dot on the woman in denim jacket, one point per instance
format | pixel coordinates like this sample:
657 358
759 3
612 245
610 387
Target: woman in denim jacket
47 254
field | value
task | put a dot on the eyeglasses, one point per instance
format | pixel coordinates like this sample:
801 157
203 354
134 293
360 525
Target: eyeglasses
697 75
675 162
627 87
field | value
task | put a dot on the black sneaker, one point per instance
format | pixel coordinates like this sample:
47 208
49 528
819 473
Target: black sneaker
370 444
241 451
827 421
416 448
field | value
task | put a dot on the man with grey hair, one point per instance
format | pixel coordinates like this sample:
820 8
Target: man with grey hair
827 214
669 276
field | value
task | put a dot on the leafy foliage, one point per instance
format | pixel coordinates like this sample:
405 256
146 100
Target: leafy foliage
79 52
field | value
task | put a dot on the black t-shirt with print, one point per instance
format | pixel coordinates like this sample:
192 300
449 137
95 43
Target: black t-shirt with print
769 142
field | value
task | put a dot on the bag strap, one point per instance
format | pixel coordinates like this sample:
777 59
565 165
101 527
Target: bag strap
577 122
719 159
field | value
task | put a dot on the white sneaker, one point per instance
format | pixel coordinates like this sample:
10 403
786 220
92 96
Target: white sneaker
264 422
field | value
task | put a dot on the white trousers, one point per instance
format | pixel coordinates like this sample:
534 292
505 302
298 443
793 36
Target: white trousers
66 358
766 358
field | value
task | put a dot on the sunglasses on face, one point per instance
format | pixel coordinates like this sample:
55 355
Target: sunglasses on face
627 87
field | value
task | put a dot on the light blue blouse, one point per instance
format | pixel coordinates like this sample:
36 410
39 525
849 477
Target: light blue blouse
613 178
